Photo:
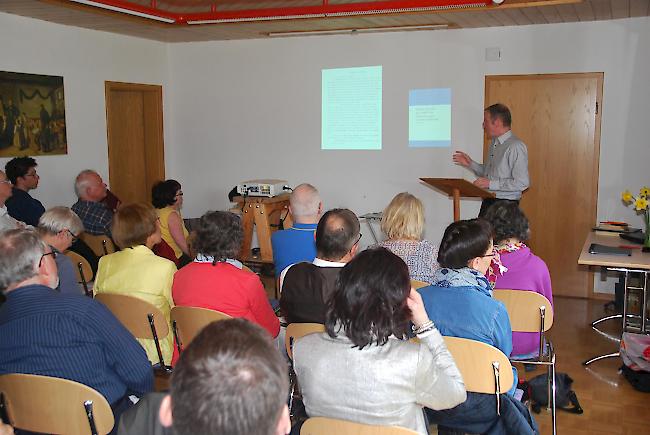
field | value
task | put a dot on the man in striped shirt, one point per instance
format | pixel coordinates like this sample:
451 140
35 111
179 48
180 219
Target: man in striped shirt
68 336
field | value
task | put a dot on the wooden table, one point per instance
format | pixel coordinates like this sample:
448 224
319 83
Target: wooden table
263 214
637 263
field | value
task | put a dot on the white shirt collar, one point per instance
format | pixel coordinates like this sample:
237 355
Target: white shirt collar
325 263
504 137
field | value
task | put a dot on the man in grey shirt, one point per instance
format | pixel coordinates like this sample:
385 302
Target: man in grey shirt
505 173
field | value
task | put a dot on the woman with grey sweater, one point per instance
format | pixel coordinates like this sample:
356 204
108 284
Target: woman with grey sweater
363 369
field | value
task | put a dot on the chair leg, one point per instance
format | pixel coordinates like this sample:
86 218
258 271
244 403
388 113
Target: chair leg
176 338
88 406
552 397
157 342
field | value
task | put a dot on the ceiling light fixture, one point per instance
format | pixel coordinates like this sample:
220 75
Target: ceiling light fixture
356 31
126 10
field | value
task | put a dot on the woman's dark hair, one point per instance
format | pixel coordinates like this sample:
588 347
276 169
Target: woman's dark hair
462 241
508 221
163 193
219 234
369 302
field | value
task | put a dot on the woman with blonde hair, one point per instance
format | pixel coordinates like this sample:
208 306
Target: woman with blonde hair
136 271
403 225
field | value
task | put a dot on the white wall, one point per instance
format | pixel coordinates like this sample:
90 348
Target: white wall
237 110
85 59
251 109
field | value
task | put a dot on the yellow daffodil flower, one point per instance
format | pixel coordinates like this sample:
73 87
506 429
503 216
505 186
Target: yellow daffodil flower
645 192
627 196
640 204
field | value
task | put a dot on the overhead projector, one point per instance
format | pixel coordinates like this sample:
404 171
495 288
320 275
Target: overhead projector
268 188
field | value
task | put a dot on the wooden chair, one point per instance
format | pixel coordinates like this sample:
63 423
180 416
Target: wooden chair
327 426
51 405
294 332
141 318
83 269
532 312
485 368
187 322
100 244
297 330
418 284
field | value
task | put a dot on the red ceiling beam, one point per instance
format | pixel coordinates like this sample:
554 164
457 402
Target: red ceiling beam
324 10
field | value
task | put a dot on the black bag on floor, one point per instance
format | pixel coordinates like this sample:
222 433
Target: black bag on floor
564 395
640 380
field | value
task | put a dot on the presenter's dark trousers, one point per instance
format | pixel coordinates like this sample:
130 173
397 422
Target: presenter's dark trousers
487 202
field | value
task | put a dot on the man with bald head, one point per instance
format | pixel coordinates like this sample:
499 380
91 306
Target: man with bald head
91 190
297 243
305 287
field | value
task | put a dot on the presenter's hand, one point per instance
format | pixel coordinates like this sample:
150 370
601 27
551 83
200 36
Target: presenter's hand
482 182
460 158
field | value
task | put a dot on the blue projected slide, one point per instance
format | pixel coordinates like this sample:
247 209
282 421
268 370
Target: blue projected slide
351 108
430 117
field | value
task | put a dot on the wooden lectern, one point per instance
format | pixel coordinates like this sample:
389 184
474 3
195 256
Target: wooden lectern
265 214
455 188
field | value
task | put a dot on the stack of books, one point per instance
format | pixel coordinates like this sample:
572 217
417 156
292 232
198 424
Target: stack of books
613 228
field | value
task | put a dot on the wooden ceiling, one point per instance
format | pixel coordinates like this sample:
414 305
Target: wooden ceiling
510 13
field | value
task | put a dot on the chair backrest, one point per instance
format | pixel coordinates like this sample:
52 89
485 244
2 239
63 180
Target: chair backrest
141 318
419 284
327 426
100 244
297 330
134 313
52 405
524 310
82 269
189 321
475 362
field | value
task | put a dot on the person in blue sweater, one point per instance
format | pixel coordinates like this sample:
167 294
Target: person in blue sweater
45 332
460 304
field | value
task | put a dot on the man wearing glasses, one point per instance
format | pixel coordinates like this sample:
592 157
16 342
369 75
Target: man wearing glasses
306 286
6 221
62 335
21 171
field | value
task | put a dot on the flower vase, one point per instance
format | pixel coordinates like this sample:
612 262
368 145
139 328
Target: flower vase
646 241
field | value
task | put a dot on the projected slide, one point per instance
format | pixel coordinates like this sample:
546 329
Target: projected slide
351 111
430 117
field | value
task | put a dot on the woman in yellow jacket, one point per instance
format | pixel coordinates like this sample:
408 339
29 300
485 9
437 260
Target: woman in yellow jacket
136 271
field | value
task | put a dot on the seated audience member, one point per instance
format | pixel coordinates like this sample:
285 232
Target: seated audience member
402 223
21 171
167 197
297 243
6 221
305 287
215 280
460 303
59 227
232 366
365 351
45 332
136 271
524 270
91 190
111 201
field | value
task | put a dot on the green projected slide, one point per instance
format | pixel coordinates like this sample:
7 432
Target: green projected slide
430 117
351 110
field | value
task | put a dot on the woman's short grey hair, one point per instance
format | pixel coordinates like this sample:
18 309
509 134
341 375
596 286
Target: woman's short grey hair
58 219
20 253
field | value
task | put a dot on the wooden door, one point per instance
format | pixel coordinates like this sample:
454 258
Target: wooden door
135 139
558 117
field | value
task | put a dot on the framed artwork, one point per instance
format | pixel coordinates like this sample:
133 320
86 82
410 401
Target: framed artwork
32 115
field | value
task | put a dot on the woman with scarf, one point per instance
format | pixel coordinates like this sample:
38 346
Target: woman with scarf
460 304
522 270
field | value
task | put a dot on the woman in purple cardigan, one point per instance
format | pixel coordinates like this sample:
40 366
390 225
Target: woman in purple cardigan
522 269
